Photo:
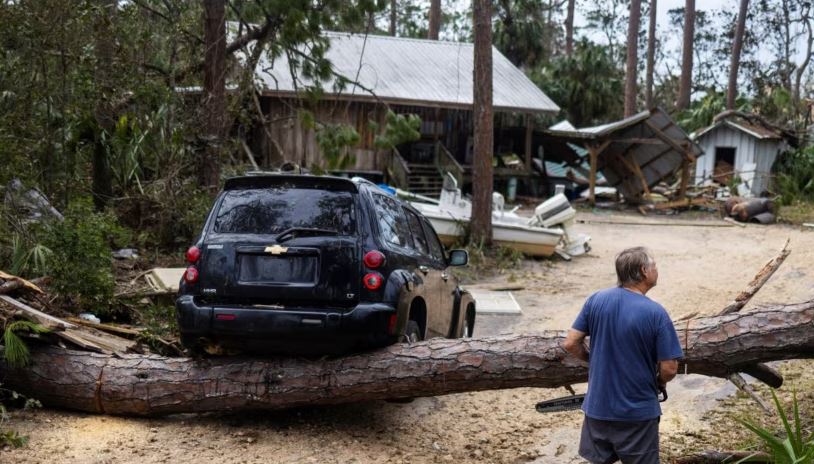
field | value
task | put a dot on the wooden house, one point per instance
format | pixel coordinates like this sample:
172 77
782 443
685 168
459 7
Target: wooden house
433 79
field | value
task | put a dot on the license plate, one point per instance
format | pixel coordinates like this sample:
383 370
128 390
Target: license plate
278 269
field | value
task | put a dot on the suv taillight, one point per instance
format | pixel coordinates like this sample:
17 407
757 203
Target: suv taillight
374 259
373 280
191 275
193 253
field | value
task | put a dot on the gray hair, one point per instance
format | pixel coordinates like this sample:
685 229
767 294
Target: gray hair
629 264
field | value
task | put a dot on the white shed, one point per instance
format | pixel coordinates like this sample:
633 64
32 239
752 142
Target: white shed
737 148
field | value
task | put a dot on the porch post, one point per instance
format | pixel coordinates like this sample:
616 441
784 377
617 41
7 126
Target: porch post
529 133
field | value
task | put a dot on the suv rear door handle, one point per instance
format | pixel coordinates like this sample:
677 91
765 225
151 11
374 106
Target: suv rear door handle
423 269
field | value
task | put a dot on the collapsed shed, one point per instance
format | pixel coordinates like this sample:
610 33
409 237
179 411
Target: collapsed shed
635 153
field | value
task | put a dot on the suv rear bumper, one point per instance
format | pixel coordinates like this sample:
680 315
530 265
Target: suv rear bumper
301 330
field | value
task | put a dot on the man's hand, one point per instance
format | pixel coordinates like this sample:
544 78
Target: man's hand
667 370
575 344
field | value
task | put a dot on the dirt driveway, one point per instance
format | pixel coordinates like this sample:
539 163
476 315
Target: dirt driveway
701 269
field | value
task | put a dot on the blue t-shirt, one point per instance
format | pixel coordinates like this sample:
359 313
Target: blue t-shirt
629 334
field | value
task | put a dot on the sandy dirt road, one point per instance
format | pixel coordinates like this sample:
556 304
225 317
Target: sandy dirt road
701 269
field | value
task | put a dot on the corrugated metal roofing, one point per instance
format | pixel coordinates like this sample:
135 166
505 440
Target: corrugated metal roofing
758 132
656 160
412 71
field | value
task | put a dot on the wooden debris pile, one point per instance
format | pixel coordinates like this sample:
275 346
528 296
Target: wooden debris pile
23 299
666 199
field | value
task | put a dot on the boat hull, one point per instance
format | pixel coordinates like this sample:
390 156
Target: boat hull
528 240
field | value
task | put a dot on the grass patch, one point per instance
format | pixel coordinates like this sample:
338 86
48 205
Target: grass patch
796 213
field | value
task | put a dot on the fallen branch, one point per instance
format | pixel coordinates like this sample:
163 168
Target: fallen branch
721 457
153 385
757 282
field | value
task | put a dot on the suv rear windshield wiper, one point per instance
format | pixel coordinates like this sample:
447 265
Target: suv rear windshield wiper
292 232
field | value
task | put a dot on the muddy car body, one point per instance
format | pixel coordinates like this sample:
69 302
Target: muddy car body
318 265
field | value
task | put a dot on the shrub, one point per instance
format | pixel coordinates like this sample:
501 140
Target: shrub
795 176
81 264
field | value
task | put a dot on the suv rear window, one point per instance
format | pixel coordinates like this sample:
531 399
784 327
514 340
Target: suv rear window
273 210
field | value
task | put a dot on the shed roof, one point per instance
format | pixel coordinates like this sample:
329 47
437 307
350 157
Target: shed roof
648 142
411 71
758 132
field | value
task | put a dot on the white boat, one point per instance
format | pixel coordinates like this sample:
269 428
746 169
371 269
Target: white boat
550 230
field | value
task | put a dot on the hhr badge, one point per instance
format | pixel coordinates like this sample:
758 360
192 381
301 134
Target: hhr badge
276 250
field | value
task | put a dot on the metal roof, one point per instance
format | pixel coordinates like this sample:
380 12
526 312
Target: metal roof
636 140
755 131
411 71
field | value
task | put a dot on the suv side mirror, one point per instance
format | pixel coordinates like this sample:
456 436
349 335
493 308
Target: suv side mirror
458 258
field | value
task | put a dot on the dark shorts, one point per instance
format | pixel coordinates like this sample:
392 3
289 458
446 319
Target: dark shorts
604 442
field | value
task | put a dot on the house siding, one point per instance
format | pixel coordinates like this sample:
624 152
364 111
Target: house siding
748 149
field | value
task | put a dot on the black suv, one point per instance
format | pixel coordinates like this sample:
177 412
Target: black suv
318 265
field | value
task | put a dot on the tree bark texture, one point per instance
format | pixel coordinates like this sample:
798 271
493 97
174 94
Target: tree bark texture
651 55
685 81
569 28
393 16
632 52
481 222
155 385
435 19
104 51
735 62
214 92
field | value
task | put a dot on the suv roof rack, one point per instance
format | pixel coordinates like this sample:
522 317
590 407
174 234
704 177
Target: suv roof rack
294 180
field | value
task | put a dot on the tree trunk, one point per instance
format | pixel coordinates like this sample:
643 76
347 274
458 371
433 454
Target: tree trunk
214 92
394 9
651 55
103 113
154 385
435 19
737 44
481 222
685 82
632 52
569 28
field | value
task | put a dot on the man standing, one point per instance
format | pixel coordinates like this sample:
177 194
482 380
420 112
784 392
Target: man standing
634 349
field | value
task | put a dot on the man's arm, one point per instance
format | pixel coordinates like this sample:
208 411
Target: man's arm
667 370
575 344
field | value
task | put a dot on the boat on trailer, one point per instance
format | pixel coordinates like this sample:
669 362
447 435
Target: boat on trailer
550 230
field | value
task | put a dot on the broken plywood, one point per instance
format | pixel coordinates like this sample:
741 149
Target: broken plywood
165 279
490 302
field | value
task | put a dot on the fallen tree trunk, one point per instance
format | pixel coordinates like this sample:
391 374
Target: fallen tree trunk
154 385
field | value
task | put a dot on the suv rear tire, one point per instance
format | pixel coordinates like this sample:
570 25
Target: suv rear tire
412 333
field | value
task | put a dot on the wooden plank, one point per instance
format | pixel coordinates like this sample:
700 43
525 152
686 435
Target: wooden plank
685 178
593 152
84 337
38 316
666 138
634 168
592 155
29 285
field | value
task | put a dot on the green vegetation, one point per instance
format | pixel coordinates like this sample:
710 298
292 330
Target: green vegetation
15 350
795 176
794 446
80 264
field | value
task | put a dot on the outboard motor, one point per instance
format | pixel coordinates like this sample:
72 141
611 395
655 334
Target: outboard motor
557 211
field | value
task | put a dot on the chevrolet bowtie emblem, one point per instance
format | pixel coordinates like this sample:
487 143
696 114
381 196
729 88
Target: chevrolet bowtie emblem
276 250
